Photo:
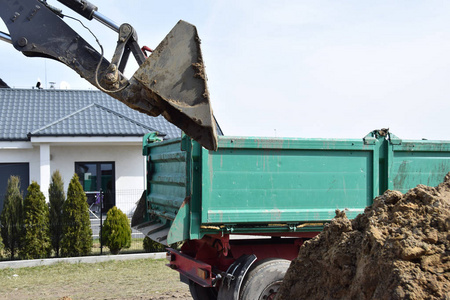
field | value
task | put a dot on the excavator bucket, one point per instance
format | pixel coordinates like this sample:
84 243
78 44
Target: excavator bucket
171 82
174 75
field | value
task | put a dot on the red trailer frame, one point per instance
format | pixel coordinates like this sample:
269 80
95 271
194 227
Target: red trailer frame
212 260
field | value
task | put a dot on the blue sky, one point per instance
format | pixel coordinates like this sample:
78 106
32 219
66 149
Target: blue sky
334 69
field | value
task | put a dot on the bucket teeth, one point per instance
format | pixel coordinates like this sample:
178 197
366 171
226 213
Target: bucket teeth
174 77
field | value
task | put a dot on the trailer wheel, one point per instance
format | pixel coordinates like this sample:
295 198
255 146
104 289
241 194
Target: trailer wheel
201 293
264 279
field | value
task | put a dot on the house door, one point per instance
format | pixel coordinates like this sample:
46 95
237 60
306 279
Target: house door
17 169
96 176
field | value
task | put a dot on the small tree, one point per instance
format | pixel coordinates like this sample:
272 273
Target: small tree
35 240
116 231
76 230
56 201
11 216
1 246
152 246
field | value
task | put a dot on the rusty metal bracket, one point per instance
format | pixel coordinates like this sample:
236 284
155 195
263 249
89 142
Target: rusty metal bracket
127 42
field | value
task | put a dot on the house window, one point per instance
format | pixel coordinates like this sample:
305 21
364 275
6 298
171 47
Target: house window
17 169
96 176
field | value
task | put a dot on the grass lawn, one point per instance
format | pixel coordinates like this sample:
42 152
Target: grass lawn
136 247
131 279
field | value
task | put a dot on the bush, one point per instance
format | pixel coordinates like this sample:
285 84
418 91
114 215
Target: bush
56 201
11 216
76 230
152 246
116 231
1 246
35 239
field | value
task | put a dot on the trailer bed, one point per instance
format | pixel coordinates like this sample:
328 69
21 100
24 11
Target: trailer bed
276 186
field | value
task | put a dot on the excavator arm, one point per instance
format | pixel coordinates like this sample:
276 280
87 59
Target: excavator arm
170 82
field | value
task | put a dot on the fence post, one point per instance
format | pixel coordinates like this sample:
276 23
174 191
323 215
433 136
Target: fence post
101 221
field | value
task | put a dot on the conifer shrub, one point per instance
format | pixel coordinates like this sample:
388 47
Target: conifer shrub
2 247
11 217
56 201
76 230
116 231
35 239
152 246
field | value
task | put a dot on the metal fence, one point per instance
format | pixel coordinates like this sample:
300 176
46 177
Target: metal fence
126 201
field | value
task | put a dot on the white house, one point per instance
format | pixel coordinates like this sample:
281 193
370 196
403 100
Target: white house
74 131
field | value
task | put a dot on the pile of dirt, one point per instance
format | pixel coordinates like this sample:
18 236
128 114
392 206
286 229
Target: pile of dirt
399 248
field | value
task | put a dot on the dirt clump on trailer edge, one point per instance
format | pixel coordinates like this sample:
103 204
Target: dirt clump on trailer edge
399 248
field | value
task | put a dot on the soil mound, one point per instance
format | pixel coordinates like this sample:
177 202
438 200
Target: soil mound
399 248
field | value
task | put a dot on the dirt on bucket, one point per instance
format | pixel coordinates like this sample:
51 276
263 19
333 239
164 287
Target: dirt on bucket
399 248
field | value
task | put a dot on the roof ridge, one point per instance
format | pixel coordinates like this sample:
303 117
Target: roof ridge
127 118
63 118
102 108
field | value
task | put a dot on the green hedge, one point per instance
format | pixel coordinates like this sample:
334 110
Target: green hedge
35 239
116 231
76 230
56 202
11 217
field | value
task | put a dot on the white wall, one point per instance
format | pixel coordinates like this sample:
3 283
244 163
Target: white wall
129 166
30 156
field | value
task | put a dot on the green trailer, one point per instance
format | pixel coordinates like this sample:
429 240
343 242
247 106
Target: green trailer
244 210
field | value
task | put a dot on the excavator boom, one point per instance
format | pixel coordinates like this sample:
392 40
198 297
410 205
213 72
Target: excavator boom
170 82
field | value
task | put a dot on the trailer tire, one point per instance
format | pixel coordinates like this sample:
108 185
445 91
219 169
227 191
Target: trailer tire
201 293
264 279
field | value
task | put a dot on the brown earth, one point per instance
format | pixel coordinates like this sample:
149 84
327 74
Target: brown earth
399 248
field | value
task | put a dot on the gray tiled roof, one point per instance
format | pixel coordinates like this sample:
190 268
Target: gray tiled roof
3 84
72 112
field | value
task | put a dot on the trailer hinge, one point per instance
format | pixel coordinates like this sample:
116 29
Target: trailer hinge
228 229
150 138
372 137
394 140
153 137
370 141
